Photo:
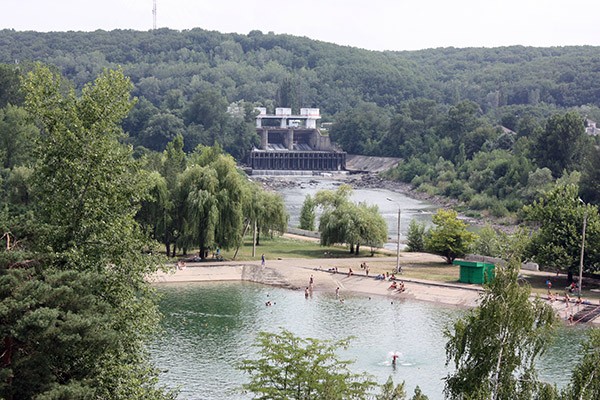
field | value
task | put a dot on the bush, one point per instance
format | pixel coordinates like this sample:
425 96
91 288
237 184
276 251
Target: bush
416 236
482 202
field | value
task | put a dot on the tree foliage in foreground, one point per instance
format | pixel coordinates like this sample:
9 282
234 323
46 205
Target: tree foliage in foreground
289 367
77 310
493 349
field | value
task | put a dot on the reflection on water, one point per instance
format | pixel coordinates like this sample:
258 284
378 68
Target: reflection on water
209 327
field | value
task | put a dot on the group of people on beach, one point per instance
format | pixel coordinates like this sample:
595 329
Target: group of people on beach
569 302
397 286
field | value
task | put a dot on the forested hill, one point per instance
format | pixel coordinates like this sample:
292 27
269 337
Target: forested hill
493 128
171 66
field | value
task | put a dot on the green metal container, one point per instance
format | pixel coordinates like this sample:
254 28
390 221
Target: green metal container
474 271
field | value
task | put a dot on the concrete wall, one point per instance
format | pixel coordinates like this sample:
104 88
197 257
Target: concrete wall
530 266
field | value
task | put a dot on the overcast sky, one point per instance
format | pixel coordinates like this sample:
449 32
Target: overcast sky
370 24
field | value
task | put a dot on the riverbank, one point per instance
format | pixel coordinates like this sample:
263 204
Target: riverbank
295 274
374 181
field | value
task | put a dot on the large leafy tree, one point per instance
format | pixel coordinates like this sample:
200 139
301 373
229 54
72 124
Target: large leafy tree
161 129
450 237
562 145
213 191
90 325
493 349
10 88
590 176
290 367
556 243
345 222
172 166
360 130
17 135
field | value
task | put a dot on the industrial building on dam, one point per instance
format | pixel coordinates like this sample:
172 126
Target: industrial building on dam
290 142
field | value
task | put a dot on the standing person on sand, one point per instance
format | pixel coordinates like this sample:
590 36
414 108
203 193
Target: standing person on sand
262 260
337 292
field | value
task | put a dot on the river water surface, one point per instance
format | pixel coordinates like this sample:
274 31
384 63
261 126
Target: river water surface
209 327
421 211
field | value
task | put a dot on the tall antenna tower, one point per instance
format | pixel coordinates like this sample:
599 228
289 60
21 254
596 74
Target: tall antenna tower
154 15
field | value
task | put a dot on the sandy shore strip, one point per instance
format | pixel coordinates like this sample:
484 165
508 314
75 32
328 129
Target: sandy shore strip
295 274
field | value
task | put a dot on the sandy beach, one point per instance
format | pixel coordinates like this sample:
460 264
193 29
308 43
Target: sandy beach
295 274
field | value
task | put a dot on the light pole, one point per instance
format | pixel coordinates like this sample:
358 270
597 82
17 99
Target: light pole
582 247
398 269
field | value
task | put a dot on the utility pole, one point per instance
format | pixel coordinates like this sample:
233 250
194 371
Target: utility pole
154 15
398 268
585 216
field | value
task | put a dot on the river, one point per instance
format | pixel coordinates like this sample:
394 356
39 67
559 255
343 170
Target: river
210 327
421 211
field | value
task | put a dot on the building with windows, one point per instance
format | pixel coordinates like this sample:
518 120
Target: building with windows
293 142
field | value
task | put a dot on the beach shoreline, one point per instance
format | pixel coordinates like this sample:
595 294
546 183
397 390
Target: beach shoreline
295 274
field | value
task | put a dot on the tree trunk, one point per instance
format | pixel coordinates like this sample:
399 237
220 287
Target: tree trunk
168 249
242 242
357 249
351 248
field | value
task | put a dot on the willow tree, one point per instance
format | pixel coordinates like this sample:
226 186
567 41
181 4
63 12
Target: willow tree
212 189
372 228
81 309
493 349
173 163
154 215
344 222
271 216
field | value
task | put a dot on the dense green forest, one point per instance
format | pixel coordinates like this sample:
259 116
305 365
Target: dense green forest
257 67
492 128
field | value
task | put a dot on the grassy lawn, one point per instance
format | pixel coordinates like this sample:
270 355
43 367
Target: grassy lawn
284 247
441 272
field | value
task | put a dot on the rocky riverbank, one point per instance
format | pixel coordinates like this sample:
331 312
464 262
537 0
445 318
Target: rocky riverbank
374 181
356 181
